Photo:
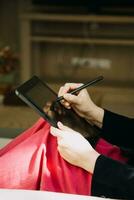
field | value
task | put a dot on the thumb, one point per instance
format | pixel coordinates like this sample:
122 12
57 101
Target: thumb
63 128
71 98
55 131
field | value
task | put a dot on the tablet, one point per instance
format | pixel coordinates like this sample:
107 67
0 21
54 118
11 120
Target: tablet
41 98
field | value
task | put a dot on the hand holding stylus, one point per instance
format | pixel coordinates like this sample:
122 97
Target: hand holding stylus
82 86
81 103
69 141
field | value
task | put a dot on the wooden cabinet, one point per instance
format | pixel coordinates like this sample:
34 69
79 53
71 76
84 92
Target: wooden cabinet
62 48
65 46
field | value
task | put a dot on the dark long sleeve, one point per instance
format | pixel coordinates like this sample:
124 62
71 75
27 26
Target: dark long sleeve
111 178
118 129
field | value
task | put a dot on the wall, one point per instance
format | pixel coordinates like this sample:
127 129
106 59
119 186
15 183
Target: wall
9 23
122 58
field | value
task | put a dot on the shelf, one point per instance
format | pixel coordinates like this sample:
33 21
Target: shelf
63 48
87 36
78 18
71 40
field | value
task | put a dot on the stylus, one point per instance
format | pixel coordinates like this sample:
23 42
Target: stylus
92 82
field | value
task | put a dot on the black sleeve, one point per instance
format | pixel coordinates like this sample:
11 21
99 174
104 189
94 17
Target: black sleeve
118 129
112 179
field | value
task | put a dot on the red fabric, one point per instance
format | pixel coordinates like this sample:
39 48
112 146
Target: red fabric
31 161
111 151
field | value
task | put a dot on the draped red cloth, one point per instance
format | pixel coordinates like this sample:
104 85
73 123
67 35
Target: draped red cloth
31 161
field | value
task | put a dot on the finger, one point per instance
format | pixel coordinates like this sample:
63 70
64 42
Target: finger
63 101
64 128
68 87
63 154
71 98
55 131
72 86
61 143
64 89
60 91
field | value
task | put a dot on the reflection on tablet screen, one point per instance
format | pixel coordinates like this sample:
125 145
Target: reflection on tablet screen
44 98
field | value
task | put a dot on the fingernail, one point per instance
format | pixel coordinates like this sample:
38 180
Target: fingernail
59 124
67 104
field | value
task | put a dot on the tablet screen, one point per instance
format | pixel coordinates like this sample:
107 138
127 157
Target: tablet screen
42 98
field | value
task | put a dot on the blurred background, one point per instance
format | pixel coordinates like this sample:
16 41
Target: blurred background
65 41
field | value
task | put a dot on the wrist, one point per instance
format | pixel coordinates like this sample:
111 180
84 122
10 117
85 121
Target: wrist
95 115
91 161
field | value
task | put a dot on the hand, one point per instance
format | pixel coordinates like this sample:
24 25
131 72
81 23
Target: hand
81 103
74 148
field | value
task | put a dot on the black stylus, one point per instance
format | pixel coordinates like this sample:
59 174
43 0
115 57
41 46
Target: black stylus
92 82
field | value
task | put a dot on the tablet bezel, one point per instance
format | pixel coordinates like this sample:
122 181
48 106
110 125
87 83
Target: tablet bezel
22 90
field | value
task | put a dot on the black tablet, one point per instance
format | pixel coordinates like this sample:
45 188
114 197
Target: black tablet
41 98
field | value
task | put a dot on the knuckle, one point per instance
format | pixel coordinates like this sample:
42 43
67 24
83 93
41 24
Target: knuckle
66 84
